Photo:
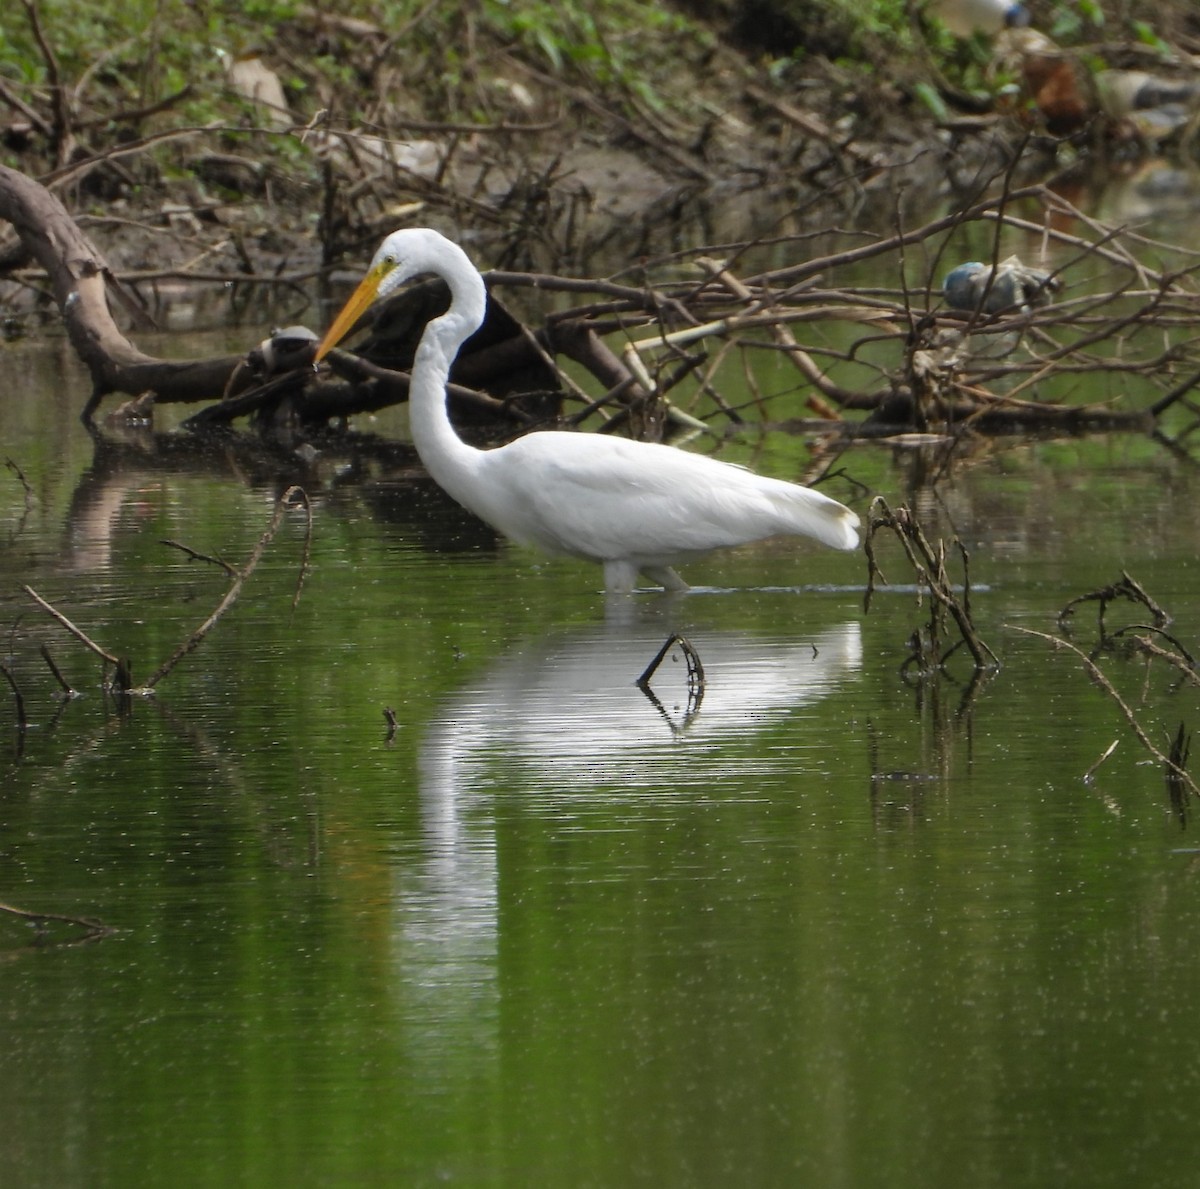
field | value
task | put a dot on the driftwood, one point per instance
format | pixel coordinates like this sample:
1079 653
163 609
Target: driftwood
83 285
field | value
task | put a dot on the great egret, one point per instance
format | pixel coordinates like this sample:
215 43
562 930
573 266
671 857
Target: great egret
632 506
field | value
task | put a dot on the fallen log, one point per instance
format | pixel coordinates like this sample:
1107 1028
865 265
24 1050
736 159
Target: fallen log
83 285
505 363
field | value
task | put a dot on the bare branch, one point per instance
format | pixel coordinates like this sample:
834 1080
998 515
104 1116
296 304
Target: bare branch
1097 675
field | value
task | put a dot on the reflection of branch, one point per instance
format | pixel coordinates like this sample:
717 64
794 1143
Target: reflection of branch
194 641
25 484
94 927
22 721
1185 663
1181 747
288 500
288 840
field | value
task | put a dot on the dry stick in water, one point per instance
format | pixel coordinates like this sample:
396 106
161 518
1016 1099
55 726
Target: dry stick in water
285 501
930 567
122 666
695 680
1090 774
1124 588
393 723
1185 663
695 670
1172 767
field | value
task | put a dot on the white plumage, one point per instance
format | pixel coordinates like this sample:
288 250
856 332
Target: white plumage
632 506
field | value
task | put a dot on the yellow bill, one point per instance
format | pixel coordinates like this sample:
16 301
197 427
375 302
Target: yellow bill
359 301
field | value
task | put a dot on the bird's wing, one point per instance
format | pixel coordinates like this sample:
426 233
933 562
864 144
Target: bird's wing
603 498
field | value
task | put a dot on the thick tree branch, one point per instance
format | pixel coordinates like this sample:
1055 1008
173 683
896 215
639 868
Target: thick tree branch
80 278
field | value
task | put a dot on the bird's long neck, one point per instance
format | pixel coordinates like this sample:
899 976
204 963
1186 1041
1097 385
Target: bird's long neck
448 458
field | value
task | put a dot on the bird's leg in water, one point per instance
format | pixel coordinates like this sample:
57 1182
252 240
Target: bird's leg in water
665 577
620 576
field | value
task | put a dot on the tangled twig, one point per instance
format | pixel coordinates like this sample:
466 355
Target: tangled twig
1124 588
929 565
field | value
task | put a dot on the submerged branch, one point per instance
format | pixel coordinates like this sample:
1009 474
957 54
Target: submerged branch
1124 588
291 498
695 681
7 673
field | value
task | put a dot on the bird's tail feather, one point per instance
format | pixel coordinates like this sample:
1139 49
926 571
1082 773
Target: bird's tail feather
826 520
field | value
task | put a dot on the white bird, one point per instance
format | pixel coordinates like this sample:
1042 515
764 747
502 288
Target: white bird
632 506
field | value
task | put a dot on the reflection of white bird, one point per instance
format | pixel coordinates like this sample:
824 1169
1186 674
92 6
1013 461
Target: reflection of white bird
964 18
557 727
633 506
561 711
